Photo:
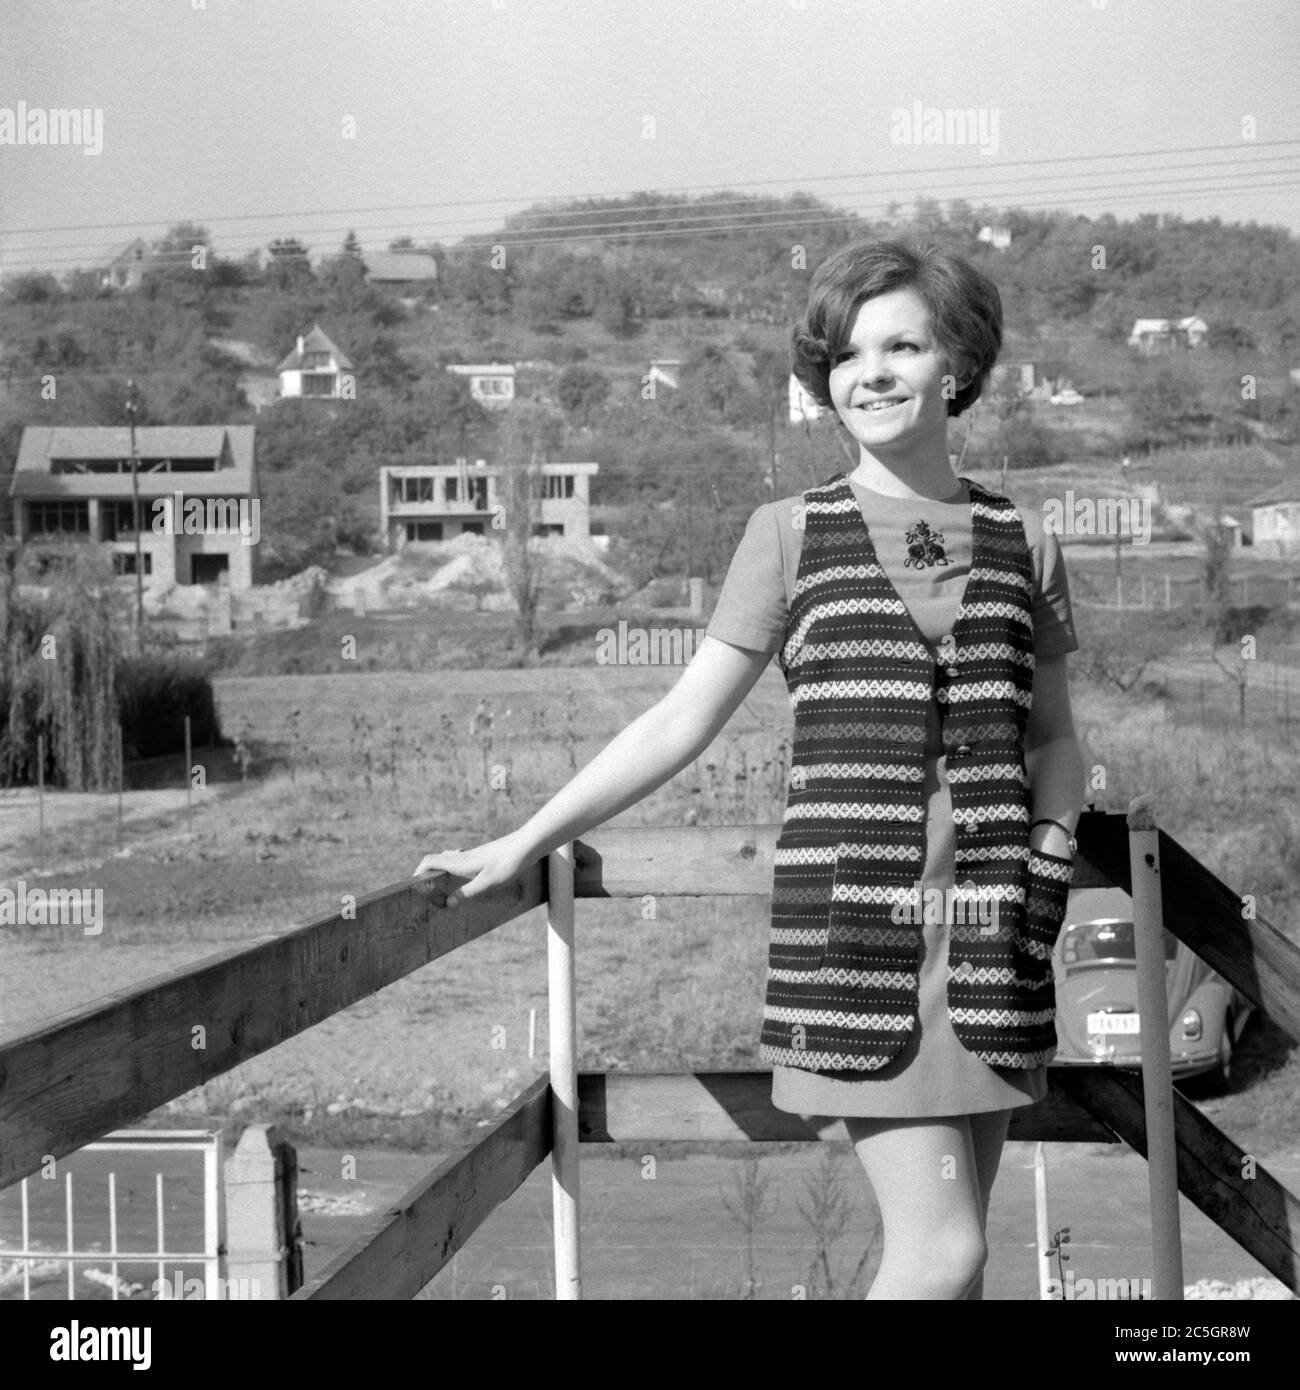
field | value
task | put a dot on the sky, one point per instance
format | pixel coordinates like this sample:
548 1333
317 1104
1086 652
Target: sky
434 118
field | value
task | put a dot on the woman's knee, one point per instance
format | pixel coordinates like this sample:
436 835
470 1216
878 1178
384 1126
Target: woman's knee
953 1261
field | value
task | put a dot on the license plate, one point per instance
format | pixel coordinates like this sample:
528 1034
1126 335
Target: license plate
1114 1023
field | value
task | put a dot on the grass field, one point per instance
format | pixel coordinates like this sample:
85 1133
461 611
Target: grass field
355 777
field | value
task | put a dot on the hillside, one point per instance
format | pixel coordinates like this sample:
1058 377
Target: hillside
584 316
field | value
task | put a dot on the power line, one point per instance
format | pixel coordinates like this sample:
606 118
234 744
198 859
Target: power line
701 227
692 213
686 188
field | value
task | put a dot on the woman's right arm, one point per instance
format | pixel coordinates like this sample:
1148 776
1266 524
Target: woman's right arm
654 747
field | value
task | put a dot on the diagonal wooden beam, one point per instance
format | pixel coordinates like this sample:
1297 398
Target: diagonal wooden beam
400 1250
113 1060
1232 1188
736 1106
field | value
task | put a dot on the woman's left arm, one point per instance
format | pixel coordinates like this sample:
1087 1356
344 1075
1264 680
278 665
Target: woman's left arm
1053 759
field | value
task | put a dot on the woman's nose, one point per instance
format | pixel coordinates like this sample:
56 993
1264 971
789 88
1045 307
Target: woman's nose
872 372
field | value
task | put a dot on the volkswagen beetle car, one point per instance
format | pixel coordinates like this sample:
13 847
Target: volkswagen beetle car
1097 1021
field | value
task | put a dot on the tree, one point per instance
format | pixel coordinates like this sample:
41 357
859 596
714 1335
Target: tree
71 700
772 374
616 309
289 267
385 367
529 433
711 386
581 391
36 288
1166 406
1217 540
181 257
344 279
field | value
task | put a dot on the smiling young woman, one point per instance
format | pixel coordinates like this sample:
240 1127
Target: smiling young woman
921 623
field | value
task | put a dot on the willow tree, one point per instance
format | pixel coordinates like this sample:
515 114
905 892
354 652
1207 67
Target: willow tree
59 651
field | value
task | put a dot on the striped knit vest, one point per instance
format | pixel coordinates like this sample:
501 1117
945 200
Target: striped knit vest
843 963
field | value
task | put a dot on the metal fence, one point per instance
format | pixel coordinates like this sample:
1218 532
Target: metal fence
114 1241
1167 592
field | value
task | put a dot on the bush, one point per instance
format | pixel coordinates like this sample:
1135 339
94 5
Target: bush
155 693
1026 444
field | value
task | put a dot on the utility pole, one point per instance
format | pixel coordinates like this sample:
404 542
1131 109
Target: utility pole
690 531
1119 554
771 436
132 409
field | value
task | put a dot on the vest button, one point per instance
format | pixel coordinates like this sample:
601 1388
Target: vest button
963 749
953 671
965 970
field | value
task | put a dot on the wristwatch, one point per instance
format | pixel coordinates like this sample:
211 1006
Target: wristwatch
1069 835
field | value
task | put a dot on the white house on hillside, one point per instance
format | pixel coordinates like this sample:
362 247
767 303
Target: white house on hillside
1275 523
999 238
492 384
127 268
440 501
1163 335
317 369
665 371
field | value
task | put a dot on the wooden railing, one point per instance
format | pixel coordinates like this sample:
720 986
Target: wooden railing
112 1061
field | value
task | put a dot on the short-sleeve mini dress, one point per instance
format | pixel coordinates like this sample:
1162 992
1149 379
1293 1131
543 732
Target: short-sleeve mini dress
934 1075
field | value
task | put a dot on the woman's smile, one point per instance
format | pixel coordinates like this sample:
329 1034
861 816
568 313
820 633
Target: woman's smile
890 380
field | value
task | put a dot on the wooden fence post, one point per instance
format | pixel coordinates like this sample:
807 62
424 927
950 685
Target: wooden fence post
1153 1015
264 1245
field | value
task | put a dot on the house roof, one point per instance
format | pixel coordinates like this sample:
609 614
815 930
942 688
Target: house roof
481 368
129 251
1287 497
42 446
1190 321
315 341
400 267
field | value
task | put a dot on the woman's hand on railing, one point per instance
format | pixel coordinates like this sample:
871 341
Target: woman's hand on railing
484 867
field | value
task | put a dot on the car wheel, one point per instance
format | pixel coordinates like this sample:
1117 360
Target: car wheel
1219 1078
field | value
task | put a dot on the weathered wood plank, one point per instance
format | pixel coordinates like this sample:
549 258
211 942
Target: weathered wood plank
731 860
722 1106
699 861
1261 1215
403 1248
108 1063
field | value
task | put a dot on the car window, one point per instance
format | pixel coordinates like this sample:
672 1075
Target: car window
1102 941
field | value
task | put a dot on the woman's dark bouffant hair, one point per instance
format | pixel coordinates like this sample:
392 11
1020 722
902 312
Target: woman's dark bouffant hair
965 309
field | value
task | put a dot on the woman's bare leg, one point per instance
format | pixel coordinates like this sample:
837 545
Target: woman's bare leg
926 1180
988 1134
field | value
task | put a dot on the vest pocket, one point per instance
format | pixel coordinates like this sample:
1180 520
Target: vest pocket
1047 889
801 906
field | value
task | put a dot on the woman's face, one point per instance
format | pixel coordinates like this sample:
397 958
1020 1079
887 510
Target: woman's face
887 383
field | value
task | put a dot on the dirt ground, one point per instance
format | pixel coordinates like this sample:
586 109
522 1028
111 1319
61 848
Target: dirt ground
671 1236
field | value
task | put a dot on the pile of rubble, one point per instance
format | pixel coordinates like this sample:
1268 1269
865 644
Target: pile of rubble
469 572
